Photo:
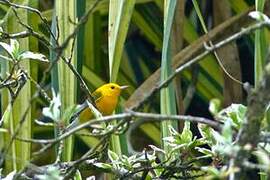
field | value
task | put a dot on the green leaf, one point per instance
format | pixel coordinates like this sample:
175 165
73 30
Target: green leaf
207 133
78 175
5 117
52 172
96 113
156 149
66 13
263 157
259 16
14 45
103 165
214 106
260 45
5 58
10 176
204 151
3 130
53 111
1 32
120 13
186 135
235 113
32 55
227 131
167 95
8 49
112 156
259 5
68 113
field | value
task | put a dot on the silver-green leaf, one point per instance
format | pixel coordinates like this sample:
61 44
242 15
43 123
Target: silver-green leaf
32 55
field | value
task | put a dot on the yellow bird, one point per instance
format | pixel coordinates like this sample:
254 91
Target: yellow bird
106 99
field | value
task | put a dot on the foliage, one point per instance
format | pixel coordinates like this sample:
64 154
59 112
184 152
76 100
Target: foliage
176 58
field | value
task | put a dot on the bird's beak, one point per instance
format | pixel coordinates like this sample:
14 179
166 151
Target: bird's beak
123 87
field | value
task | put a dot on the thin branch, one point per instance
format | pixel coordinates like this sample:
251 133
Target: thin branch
86 156
146 96
82 21
36 11
211 49
144 118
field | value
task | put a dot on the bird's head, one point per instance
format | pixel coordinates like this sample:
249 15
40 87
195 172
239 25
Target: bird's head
112 89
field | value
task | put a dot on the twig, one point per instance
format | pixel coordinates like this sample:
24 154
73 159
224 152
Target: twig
144 118
36 11
60 48
192 86
25 34
13 137
85 157
207 51
187 63
82 21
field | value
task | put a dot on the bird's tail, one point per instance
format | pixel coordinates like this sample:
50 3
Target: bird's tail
75 119
73 124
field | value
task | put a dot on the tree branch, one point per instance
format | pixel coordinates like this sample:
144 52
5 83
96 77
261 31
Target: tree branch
249 135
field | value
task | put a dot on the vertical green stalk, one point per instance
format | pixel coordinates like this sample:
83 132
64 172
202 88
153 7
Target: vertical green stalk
259 61
66 15
93 42
80 38
120 13
10 163
83 46
167 95
260 46
33 46
177 41
10 156
22 149
54 71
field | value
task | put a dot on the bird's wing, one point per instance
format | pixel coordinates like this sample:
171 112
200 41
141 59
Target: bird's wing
97 95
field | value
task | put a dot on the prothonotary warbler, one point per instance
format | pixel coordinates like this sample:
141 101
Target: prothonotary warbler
106 99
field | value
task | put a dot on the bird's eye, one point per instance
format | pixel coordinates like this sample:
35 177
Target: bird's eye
112 87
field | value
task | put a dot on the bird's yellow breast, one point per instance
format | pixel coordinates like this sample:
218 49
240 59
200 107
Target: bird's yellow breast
107 104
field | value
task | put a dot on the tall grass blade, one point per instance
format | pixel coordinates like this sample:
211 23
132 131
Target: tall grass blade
260 61
260 46
7 122
167 95
10 157
66 16
120 13
20 106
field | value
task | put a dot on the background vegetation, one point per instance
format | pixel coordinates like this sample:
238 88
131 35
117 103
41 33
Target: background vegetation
197 103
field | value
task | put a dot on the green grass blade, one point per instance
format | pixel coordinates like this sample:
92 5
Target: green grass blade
22 149
66 14
259 61
93 42
167 95
145 26
6 107
260 47
11 157
120 13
